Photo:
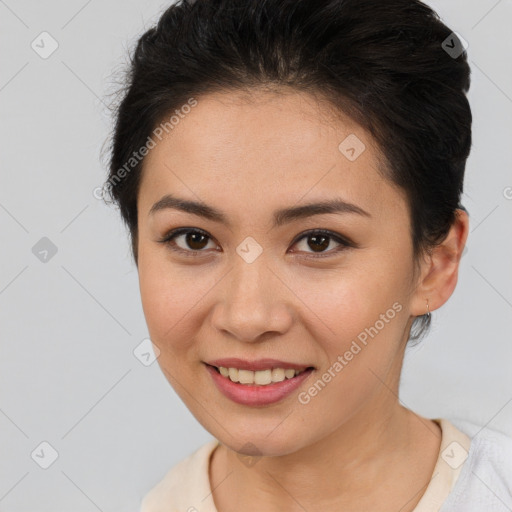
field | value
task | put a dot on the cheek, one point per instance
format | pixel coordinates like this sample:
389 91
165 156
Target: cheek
368 319
168 297
346 302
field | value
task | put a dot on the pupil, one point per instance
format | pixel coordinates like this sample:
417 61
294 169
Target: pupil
192 240
322 245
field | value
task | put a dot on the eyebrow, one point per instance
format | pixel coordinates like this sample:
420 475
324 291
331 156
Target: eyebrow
282 216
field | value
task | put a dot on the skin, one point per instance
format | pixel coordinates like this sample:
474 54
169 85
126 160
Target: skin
353 446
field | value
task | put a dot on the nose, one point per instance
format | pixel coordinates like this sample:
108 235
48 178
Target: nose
254 304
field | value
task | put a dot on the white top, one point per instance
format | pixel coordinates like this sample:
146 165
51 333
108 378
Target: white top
471 475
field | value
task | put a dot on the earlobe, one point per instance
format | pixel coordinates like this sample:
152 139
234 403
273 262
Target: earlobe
441 268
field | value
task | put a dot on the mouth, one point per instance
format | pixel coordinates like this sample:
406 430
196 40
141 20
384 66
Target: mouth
257 383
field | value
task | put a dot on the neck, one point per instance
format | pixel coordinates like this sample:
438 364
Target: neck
370 452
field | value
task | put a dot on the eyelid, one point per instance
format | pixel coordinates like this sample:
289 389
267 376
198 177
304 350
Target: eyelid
345 242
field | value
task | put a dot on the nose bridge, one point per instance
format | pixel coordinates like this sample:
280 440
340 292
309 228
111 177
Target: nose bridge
250 305
250 281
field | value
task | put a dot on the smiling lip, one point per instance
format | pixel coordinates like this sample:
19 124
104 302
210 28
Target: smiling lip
256 395
259 364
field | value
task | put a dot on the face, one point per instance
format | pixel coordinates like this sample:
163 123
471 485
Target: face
240 280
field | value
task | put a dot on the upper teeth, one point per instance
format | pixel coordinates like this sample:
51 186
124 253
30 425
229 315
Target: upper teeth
260 377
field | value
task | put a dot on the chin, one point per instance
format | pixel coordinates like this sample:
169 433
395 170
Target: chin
259 443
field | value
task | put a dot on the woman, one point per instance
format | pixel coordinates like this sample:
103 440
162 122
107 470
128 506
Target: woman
291 172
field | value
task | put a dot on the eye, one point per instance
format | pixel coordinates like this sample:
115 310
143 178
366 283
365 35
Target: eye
320 239
194 241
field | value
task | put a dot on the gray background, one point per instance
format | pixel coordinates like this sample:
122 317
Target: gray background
69 325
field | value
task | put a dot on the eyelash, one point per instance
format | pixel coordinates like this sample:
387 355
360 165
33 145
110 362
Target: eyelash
171 235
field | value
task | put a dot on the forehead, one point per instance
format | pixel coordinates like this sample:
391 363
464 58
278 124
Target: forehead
235 150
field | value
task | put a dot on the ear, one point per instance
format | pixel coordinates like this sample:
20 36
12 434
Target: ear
439 270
